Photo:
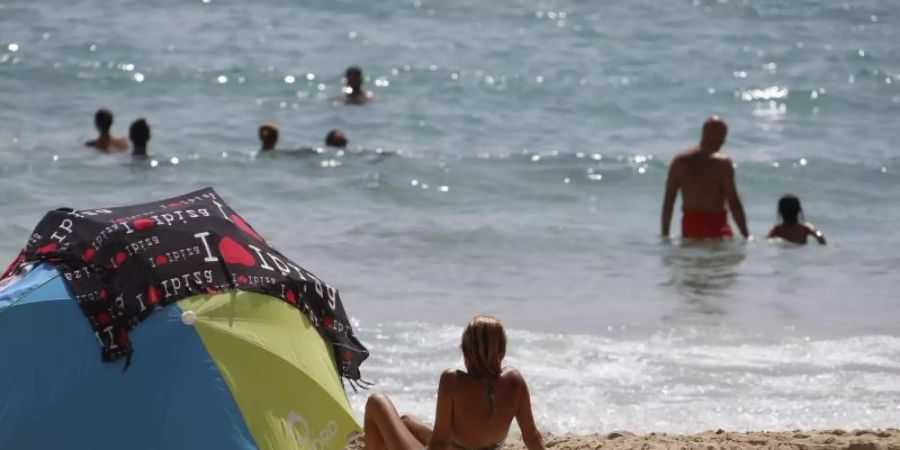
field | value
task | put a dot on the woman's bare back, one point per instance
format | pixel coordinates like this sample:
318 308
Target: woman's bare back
475 421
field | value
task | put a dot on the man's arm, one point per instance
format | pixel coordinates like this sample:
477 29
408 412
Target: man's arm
672 187
734 200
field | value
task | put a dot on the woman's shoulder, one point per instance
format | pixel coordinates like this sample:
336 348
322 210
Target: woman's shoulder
512 376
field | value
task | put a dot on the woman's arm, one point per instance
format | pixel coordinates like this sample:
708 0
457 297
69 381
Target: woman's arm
530 434
440 438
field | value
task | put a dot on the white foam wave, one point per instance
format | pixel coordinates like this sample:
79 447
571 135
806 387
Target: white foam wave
673 381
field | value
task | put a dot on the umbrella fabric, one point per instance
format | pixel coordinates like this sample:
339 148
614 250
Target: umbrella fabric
124 263
235 370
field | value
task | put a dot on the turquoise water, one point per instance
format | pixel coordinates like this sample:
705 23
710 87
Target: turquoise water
513 164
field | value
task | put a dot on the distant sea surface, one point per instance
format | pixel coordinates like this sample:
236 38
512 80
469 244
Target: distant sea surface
513 164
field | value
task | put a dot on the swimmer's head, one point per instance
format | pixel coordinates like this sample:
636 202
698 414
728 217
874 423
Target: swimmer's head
789 209
336 138
354 78
484 346
103 120
268 134
714 132
139 132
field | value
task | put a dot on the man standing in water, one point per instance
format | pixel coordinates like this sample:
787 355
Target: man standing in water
103 120
706 181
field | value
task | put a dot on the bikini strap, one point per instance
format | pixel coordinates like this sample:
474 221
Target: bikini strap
490 388
491 397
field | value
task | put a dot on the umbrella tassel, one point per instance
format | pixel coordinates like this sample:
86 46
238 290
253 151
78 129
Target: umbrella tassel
127 362
359 384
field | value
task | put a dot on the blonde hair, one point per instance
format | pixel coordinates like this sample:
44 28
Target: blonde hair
484 346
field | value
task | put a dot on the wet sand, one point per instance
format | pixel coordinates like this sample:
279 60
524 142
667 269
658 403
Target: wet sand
888 439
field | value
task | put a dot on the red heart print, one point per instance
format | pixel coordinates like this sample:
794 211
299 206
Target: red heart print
234 253
49 248
152 295
348 355
122 337
291 297
174 204
89 254
140 224
161 259
210 290
103 293
242 279
329 322
120 258
103 318
244 227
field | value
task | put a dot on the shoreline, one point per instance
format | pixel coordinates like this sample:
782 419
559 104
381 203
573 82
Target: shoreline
886 439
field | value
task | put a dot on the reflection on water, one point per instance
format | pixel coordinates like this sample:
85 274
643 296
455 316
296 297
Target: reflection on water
703 272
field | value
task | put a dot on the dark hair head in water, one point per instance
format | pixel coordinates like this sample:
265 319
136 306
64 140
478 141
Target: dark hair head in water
789 209
714 132
103 120
139 132
268 134
484 346
354 77
336 138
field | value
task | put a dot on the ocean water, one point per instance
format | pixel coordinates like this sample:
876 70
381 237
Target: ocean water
513 164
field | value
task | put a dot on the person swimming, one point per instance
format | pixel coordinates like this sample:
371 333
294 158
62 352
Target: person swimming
139 133
792 227
103 120
336 138
475 408
705 179
268 136
354 93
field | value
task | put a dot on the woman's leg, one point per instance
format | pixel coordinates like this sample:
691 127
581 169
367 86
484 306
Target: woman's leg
421 431
384 429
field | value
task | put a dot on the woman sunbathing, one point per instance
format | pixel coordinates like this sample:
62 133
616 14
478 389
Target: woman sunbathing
474 408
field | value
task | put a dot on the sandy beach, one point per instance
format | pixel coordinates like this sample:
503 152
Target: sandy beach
888 439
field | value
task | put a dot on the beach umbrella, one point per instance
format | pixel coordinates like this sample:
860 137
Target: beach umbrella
227 358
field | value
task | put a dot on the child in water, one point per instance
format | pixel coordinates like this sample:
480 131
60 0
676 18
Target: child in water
792 227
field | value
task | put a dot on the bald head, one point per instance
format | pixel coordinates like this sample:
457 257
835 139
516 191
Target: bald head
714 132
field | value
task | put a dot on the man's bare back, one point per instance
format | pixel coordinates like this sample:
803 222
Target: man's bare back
705 179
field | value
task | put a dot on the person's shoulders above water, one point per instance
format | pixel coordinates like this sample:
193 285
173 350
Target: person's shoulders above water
119 144
777 231
359 99
112 146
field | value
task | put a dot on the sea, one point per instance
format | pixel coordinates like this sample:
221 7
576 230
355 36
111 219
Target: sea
512 164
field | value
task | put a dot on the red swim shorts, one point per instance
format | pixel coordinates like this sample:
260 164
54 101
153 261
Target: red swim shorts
705 225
